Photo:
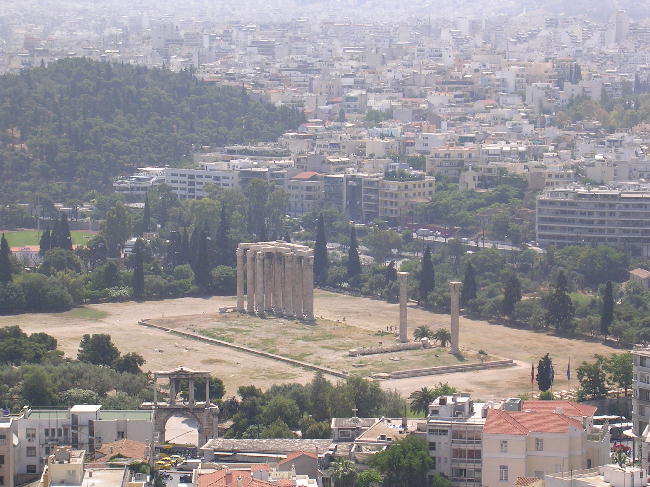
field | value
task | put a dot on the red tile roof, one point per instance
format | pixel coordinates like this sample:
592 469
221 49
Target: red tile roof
572 409
124 448
306 175
523 422
228 478
525 481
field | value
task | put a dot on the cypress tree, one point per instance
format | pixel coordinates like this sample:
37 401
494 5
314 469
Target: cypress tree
469 285
5 261
545 373
607 312
194 248
45 242
138 269
354 262
55 235
222 241
427 280
174 249
146 216
511 295
202 264
321 262
559 309
184 257
66 237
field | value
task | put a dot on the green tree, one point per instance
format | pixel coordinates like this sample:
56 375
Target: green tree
37 387
129 363
511 295
60 260
369 478
592 379
319 392
277 429
116 229
404 463
468 291
78 396
354 262
421 399
443 336
281 408
138 269
44 243
619 368
423 331
202 263
545 373
321 261
97 349
344 473
426 281
607 310
5 261
559 307
223 249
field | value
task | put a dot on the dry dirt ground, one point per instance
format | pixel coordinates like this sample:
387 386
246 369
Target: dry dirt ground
163 351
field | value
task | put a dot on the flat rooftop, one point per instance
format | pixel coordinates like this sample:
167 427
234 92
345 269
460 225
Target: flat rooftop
130 414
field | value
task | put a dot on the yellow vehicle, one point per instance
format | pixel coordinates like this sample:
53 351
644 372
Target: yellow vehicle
161 462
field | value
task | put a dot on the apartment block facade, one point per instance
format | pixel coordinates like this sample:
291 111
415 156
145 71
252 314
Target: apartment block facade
581 215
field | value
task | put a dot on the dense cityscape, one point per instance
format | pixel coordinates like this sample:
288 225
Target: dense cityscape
324 243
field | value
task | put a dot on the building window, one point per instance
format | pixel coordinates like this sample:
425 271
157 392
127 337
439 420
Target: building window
503 473
539 444
504 446
2 459
31 451
2 439
2 480
432 446
31 468
539 474
31 434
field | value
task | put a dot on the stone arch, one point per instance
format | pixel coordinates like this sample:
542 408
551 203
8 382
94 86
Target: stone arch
206 419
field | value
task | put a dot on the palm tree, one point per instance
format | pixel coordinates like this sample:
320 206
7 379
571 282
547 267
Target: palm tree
423 331
443 336
344 473
421 399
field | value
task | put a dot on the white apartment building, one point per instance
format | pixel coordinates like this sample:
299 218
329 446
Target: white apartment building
7 451
611 216
86 427
641 392
454 433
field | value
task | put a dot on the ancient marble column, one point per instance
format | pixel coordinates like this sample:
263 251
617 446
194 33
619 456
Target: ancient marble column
455 313
250 280
403 291
308 287
268 279
278 268
259 282
297 287
190 391
240 280
287 292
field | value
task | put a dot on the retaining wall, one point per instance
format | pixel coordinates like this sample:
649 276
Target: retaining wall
448 369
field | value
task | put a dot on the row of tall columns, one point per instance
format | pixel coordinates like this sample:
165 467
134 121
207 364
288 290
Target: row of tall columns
278 281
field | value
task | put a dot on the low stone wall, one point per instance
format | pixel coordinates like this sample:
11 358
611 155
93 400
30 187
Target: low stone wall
397 347
445 369
242 348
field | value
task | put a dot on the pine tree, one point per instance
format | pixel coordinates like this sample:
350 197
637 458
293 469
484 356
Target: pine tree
427 277
545 373
321 262
511 295
5 261
146 216
65 236
222 240
138 269
202 264
45 242
607 312
354 262
469 285
559 308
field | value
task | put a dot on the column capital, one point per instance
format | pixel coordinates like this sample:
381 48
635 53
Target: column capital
239 252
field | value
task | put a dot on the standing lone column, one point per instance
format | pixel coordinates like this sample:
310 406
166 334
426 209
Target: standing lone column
287 293
455 312
308 287
240 280
403 324
259 282
250 280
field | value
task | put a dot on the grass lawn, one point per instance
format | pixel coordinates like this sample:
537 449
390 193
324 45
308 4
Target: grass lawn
32 237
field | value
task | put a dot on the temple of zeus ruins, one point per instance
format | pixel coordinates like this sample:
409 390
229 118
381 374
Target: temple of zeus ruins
279 279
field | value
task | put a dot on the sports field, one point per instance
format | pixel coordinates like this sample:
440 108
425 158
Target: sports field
23 238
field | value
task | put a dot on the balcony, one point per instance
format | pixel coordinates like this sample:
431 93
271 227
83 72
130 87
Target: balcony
466 441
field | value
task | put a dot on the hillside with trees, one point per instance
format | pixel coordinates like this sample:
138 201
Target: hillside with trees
72 126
